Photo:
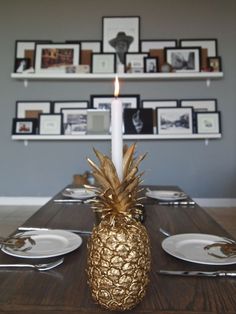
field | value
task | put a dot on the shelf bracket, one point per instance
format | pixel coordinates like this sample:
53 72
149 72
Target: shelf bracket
26 83
26 143
208 82
206 142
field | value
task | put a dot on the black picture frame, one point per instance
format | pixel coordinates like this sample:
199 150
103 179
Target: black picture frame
104 101
208 122
151 64
214 64
74 120
103 63
200 105
148 44
138 121
32 108
78 104
24 126
22 64
184 59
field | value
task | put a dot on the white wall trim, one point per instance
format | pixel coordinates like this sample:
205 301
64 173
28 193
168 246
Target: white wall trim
40 201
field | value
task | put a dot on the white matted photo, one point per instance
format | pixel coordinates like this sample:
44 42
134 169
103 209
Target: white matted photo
208 122
31 109
200 104
103 63
50 124
147 45
58 105
74 121
105 101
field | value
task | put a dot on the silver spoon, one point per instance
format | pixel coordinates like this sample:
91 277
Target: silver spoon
164 232
40 267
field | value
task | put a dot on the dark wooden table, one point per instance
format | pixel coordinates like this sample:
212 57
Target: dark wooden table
64 289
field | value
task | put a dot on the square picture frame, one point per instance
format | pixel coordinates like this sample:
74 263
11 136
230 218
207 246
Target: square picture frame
98 121
78 104
50 124
24 126
138 121
208 122
55 57
74 121
148 44
134 62
103 63
32 109
214 64
104 101
174 121
151 65
210 44
200 105
22 65
121 34
185 59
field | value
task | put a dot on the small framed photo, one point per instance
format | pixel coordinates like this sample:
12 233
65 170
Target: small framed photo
22 64
172 121
74 120
200 105
50 124
147 45
121 35
78 104
151 65
24 126
103 63
98 121
138 121
56 57
205 43
184 59
134 62
214 64
104 101
32 109
208 122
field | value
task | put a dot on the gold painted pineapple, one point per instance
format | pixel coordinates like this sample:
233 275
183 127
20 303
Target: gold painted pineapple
119 249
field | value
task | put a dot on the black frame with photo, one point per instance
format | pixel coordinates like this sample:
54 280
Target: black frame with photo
151 64
74 120
147 44
24 106
103 63
210 44
105 101
22 64
138 121
45 127
200 105
78 104
214 64
24 126
208 122
184 59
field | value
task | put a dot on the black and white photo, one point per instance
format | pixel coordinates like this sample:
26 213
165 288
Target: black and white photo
183 59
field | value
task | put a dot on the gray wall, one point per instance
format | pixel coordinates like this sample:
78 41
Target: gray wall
42 168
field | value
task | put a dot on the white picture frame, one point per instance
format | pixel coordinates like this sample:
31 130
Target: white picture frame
50 124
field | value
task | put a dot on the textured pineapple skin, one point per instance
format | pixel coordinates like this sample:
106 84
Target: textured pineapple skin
118 262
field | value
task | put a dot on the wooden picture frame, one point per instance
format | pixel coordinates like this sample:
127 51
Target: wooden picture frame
208 122
24 126
50 124
185 59
103 63
32 109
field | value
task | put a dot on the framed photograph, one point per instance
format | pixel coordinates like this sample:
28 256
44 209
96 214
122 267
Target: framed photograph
24 126
74 120
32 109
93 45
151 65
174 121
22 64
201 105
214 63
78 104
56 57
147 45
138 121
209 44
98 121
208 122
103 63
134 62
184 59
104 101
121 35
50 124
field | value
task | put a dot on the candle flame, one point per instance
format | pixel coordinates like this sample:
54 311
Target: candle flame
117 87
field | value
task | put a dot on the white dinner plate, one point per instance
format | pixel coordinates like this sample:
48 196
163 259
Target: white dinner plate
78 193
47 243
191 247
165 195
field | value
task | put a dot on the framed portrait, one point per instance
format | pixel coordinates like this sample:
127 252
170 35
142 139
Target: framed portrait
56 57
184 59
74 120
201 105
103 63
208 122
32 109
121 35
98 121
22 64
104 101
138 121
24 126
209 44
151 65
174 121
50 124
78 104
147 45
134 62
214 64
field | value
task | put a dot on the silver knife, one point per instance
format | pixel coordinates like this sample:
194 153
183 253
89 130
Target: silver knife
219 273
65 200
186 203
70 230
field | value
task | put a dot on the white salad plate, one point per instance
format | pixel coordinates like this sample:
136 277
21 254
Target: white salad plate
166 195
44 243
191 247
77 193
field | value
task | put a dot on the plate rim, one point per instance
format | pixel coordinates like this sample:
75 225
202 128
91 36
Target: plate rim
92 193
151 192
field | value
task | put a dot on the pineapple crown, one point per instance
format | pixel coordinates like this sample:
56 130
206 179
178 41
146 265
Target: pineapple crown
114 196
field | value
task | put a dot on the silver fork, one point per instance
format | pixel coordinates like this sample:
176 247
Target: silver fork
40 267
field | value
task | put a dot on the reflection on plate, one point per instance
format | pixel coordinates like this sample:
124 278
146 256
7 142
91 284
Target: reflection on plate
44 243
166 195
190 247
78 193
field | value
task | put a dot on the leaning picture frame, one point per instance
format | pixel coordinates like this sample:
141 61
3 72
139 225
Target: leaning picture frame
185 59
59 104
151 65
214 64
208 122
50 124
24 126
74 120
56 57
32 109
134 62
206 43
105 101
201 105
98 121
120 35
171 121
149 44
103 63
